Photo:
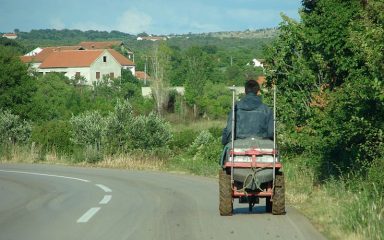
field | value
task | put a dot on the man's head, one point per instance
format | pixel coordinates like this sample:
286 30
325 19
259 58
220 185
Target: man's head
251 86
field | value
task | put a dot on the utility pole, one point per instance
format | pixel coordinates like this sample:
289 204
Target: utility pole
145 72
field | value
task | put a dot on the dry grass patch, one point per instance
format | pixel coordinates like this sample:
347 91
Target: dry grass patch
134 162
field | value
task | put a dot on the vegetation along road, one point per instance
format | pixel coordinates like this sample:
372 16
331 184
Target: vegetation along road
57 202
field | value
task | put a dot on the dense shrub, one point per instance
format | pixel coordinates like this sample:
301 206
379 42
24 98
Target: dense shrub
53 136
13 129
205 148
202 155
150 132
116 133
87 129
182 139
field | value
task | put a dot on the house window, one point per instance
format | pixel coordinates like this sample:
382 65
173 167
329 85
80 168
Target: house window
97 75
111 75
104 58
77 75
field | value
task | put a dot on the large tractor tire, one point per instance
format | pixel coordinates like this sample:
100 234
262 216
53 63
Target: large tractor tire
278 199
225 189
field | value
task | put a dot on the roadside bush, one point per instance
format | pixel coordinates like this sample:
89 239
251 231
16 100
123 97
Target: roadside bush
116 133
150 132
13 129
92 154
216 131
202 155
87 129
182 139
205 148
53 136
143 105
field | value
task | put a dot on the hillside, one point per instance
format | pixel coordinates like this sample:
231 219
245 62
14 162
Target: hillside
230 39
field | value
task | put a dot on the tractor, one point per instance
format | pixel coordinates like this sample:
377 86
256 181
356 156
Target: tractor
250 170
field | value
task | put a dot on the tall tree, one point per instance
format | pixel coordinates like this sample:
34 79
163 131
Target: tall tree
16 85
160 75
197 65
329 71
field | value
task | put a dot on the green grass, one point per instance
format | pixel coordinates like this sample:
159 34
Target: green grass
178 125
193 166
333 207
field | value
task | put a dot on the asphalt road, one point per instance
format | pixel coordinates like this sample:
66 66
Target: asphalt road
57 202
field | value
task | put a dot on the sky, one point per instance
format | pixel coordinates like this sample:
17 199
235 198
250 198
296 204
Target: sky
150 16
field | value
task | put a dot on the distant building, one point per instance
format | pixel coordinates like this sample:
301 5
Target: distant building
10 35
150 38
256 63
90 64
38 55
142 75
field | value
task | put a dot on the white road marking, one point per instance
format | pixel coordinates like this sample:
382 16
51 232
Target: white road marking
92 211
105 189
88 215
46 175
106 199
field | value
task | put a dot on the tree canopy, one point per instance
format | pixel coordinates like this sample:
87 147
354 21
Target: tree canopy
329 71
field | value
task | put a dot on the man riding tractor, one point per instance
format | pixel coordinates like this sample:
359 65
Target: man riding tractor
250 165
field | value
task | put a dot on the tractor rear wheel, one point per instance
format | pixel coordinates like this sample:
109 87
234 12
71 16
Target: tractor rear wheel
225 189
278 199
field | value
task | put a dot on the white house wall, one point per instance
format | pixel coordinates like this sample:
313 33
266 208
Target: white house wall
105 68
130 68
71 72
35 66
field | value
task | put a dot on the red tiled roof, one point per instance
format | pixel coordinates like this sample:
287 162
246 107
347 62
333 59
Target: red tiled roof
9 35
63 59
27 59
41 56
100 45
141 75
120 58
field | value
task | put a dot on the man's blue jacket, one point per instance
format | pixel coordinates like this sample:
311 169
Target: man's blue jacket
252 119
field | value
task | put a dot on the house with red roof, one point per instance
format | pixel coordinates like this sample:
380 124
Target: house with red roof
141 75
124 62
10 35
38 55
92 65
91 60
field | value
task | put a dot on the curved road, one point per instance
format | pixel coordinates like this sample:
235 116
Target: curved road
57 202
